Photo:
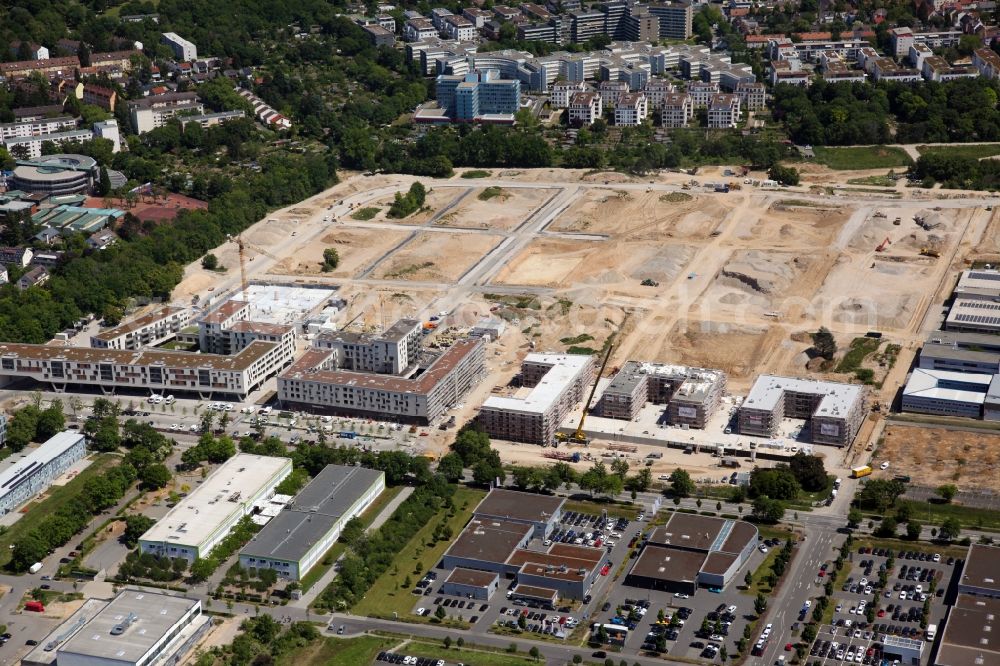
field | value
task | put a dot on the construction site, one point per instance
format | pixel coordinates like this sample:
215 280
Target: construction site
672 269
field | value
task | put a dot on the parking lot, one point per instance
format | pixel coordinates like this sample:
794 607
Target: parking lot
865 614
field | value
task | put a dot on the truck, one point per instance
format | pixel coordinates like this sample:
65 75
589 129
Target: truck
347 434
930 632
858 472
35 607
35 568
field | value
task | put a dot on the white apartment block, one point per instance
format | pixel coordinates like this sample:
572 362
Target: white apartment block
183 50
108 129
585 108
702 93
149 330
391 352
987 62
32 145
415 30
562 91
152 112
631 110
33 472
24 129
752 95
459 27
610 91
677 111
657 91
228 330
724 111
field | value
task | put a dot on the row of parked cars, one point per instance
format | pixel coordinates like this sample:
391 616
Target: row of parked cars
394 658
857 654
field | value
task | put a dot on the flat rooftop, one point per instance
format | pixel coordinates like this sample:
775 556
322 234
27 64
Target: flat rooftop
965 386
688 531
155 615
982 568
313 513
979 278
226 491
963 339
471 577
514 505
535 592
974 312
668 564
968 638
565 369
955 353
19 472
285 304
489 540
838 398
157 315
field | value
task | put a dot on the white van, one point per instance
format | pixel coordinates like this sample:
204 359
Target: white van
169 400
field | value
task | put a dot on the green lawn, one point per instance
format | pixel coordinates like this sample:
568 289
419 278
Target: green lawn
470 655
477 173
758 584
958 150
365 214
970 517
38 512
387 595
338 548
862 157
860 348
901 544
882 181
338 652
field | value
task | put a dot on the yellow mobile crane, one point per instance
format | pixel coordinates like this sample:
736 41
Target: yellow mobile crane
579 437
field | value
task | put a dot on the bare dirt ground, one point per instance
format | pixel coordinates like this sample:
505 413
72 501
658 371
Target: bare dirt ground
357 248
935 456
641 216
436 256
436 200
502 212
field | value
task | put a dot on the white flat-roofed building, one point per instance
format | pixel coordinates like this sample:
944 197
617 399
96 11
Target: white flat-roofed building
155 111
557 383
201 520
183 50
724 111
631 109
974 315
136 628
835 409
677 110
298 537
26 128
149 330
34 472
946 393
584 108
978 284
562 91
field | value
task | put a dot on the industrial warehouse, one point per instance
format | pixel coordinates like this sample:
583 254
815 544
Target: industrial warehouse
296 539
691 394
692 551
202 519
557 382
835 410
504 537
967 639
136 628
35 471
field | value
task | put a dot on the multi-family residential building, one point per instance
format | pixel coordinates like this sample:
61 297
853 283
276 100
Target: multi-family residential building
34 471
558 383
37 126
584 25
584 108
31 146
314 383
183 50
701 93
478 17
458 27
610 91
264 112
675 18
657 91
641 26
391 352
631 109
149 330
836 410
438 16
379 36
936 68
677 110
213 119
724 111
691 394
987 62
752 95
152 112
478 95
106 98
50 67
417 29
228 329
120 60
562 91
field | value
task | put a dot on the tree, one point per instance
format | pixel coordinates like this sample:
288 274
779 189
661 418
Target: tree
681 484
446 641
784 175
948 492
887 528
440 613
450 467
809 471
331 259
776 483
809 633
768 510
913 529
353 530
104 185
29 549
135 526
210 262
824 343
760 604
154 477
950 529
880 494
854 518
619 466
748 579
534 652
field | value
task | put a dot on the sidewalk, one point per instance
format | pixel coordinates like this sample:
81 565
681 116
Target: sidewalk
320 585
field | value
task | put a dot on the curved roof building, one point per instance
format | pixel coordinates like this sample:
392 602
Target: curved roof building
56 174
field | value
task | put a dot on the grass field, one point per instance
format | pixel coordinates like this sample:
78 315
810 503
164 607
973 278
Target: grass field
975 152
970 517
477 173
862 157
38 512
919 546
881 181
365 214
758 584
387 595
338 652
860 348
468 655
338 548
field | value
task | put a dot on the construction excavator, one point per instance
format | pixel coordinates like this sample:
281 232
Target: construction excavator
883 245
578 437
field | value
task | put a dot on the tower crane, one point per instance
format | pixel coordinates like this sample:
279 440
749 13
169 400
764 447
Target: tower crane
578 437
242 245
